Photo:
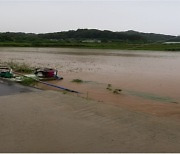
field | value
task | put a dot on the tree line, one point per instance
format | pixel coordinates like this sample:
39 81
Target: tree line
85 34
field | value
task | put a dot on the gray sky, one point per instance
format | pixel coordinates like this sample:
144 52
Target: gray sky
41 16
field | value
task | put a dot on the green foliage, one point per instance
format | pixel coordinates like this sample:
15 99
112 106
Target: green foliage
92 38
80 35
28 82
21 68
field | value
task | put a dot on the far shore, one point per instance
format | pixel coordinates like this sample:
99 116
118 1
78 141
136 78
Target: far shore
109 45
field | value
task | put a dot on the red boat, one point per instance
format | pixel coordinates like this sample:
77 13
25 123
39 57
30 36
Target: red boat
47 73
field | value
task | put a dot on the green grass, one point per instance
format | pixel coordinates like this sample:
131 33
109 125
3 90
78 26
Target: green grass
108 45
21 68
28 82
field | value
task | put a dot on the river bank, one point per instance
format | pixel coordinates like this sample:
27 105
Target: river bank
110 45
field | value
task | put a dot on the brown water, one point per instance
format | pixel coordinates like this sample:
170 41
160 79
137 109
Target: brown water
149 80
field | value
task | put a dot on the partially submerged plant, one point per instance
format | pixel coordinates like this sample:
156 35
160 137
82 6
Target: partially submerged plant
21 68
64 92
28 81
117 91
77 80
109 87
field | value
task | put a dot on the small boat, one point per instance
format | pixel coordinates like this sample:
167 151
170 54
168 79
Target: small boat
47 74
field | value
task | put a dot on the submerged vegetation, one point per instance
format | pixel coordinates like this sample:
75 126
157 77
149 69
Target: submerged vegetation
92 38
20 68
28 81
109 87
77 80
115 91
23 68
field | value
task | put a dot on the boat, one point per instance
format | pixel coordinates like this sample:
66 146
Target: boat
47 74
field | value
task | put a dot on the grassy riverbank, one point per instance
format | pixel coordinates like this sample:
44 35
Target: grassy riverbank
109 45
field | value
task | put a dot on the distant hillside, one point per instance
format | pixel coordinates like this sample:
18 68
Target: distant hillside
86 34
83 34
152 37
175 39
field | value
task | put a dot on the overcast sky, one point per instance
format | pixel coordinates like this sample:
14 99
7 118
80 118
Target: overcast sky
42 16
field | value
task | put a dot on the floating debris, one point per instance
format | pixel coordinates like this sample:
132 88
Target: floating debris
117 91
6 72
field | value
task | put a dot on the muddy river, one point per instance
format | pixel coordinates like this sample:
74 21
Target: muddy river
149 80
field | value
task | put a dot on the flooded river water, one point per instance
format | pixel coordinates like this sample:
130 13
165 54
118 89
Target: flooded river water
149 80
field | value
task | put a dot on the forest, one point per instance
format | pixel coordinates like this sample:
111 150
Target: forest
91 38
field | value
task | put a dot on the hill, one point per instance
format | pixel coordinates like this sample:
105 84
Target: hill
86 34
92 38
